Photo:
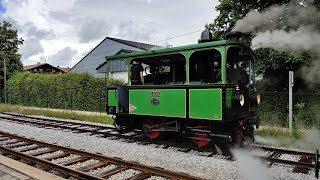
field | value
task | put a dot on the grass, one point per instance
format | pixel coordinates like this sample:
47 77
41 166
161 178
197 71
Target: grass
301 138
62 115
278 132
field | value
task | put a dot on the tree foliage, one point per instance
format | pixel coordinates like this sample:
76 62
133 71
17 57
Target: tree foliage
9 46
233 10
271 63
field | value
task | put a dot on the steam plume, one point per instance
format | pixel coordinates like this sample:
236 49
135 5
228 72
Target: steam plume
291 27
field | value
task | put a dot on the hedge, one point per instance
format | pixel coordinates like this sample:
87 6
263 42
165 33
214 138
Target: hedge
62 91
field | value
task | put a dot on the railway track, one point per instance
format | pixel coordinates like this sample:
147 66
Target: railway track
306 162
70 162
105 131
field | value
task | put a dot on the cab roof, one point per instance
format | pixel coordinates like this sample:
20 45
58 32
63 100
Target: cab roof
169 50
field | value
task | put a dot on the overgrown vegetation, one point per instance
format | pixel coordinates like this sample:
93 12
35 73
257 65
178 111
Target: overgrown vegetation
301 138
63 115
61 91
279 132
273 110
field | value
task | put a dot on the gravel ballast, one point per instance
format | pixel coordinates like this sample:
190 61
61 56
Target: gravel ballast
215 167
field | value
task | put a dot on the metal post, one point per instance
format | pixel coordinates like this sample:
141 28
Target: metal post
5 79
291 83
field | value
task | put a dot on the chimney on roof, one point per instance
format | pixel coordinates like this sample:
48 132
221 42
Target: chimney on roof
38 63
58 66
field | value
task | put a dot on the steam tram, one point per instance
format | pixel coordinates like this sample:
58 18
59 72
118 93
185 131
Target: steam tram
204 92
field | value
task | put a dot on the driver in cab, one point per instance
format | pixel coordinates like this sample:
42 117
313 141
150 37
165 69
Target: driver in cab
136 73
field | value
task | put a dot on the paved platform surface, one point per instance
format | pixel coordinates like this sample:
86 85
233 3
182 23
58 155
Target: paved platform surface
15 170
7 173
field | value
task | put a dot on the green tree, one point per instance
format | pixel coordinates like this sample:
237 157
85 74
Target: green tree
233 10
9 46
273 64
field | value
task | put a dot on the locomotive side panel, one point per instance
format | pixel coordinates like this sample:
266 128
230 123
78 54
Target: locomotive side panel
112 102
158 102
206 104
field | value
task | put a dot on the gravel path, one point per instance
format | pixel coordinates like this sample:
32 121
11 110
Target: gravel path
205 167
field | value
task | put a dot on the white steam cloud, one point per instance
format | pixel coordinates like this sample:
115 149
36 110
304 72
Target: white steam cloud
250 168
303 39
291 27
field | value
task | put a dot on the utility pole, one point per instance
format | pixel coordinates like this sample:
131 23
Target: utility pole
5 79
291 83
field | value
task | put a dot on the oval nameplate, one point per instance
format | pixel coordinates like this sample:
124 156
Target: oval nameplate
155 101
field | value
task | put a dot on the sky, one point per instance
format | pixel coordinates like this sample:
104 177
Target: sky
62 32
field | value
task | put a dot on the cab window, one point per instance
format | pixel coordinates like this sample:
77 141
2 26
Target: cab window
167 69
205 66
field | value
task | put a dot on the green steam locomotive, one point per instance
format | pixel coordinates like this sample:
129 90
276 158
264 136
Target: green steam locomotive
204 92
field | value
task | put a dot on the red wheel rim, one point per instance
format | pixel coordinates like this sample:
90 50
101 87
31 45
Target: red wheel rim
152 134
199 142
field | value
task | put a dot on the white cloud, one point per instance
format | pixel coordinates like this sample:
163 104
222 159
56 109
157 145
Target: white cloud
50 27
63 56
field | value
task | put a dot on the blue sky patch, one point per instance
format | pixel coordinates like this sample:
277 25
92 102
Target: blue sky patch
2 8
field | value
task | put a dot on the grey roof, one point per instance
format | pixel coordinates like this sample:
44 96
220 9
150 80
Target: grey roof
107 47
139 45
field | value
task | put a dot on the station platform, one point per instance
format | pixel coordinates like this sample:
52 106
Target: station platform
15 170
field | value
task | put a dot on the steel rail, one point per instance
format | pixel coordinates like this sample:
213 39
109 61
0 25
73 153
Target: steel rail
128 164
284 151
287 162
60 121
314 156
60 125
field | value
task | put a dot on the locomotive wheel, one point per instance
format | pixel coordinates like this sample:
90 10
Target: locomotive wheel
201 142
150 133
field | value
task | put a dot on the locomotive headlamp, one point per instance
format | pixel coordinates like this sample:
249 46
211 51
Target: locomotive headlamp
241 100
255 99
258 99
238 99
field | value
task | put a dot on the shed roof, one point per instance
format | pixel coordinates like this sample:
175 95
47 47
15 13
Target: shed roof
174 49
139 45
28 67
67 69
